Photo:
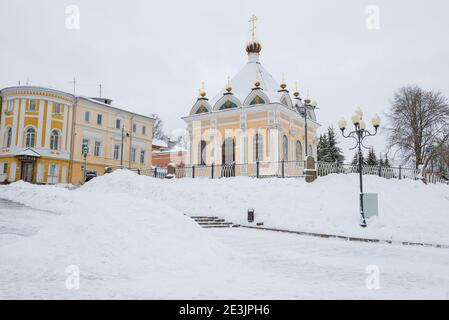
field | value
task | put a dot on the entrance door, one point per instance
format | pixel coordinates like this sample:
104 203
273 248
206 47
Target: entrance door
27 171
228 151
228 158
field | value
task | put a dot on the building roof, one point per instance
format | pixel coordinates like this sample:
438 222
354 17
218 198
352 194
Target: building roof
73 97
160 143
243 82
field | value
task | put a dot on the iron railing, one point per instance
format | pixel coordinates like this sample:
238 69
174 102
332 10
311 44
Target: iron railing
284 169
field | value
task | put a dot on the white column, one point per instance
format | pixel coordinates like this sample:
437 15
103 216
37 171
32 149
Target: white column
69 132
242 145
64 128
274 145
40 123
40 173
48 124
21 122
12 172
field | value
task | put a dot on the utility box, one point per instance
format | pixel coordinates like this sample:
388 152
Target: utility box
370 205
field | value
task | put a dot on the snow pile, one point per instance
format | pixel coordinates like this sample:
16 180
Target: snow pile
125 246
408 210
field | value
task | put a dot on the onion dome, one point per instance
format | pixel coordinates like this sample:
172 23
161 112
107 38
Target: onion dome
296 92
202 93
283 85
228 87
253 47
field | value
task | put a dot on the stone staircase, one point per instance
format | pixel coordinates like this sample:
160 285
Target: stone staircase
213 222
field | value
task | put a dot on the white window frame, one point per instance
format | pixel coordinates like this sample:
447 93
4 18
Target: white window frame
133 154
10 106
8 137
34 138
57 107
53 176
32 102
52 140
97 148
119 122
116 149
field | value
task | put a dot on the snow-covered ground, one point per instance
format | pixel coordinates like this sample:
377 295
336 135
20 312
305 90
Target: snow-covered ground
129 237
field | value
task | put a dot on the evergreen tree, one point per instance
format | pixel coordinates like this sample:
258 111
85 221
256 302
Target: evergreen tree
355 159
322 148
386 162
372 159
381 161
334 152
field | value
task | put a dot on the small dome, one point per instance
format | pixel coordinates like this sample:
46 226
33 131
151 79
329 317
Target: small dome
253 47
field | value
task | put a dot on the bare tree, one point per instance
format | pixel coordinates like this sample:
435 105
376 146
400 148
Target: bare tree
158 129
418 124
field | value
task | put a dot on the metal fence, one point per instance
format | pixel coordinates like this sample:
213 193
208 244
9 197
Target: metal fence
387 172
283 169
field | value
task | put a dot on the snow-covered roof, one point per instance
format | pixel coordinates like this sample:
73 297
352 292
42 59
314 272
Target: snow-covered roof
243 82
160 143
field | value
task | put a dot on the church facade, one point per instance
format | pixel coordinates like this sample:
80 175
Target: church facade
253 119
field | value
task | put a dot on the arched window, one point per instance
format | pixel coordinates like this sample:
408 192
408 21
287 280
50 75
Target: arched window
30 138
202 109
228 105
55 140
202 153
257 100
285 148
298 150
258 147
8 137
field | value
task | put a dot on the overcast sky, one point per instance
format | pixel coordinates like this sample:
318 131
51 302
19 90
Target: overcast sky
151 56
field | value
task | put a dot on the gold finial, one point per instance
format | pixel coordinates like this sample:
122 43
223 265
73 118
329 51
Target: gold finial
229 86
253 21
283 84
308 101
201 91
296 93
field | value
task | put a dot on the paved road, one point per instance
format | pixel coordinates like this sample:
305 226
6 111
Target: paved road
306 267
17 220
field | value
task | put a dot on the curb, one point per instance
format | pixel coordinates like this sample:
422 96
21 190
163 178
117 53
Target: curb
356 239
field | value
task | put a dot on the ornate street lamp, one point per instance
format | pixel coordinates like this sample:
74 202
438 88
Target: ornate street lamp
303 108
359 133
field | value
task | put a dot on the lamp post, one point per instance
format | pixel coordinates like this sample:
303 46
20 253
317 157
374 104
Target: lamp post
303 108
359 133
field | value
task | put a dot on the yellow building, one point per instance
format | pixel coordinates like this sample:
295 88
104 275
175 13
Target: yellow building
42 131
253 119
35 134
102 128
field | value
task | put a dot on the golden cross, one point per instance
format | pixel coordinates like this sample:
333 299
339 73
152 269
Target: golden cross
253 21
